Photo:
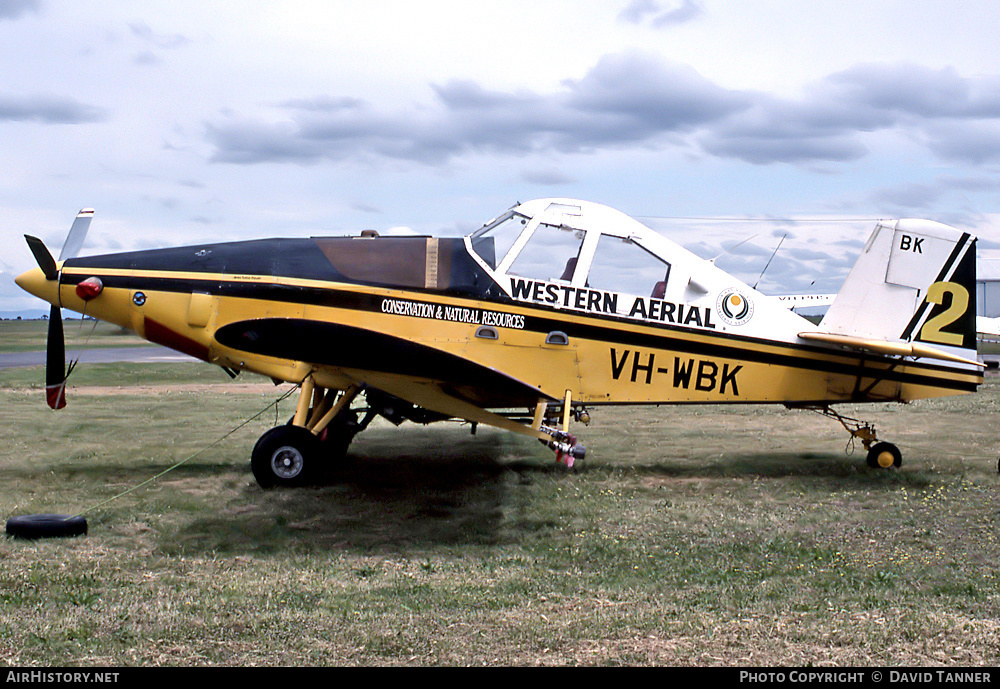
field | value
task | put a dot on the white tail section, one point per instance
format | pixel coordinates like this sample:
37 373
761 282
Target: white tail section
914 282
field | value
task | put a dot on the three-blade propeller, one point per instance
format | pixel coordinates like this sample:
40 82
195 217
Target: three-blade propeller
55 348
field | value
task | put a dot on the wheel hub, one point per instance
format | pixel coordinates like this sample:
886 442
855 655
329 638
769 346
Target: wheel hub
287 462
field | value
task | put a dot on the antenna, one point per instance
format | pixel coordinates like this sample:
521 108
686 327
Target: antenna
726 251
769 260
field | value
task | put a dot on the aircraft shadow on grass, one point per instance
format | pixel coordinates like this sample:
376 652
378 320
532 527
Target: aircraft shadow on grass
473 493
425 488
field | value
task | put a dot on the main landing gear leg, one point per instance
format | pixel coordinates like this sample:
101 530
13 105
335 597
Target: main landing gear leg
319 434
881 454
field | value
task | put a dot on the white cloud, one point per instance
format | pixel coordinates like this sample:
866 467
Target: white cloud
637 99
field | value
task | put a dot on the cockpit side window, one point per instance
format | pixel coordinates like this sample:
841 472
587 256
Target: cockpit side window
621 265
551 254
494 241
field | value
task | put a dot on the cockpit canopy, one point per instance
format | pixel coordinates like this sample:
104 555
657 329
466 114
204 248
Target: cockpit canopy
558 244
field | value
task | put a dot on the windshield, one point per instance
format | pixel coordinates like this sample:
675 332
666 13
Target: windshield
494 241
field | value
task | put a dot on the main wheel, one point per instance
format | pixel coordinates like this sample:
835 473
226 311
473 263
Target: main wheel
884 455
285 456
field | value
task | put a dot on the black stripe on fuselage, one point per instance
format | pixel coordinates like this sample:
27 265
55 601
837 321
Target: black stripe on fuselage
349 347
584 326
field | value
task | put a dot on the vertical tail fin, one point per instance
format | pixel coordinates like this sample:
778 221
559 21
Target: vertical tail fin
914 282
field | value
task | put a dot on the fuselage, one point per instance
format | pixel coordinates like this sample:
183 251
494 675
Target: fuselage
350 309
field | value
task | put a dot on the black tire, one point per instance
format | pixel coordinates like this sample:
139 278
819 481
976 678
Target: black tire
880 453
32 526
285 456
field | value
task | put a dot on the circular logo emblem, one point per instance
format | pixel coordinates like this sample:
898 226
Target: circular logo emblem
734 308
138 298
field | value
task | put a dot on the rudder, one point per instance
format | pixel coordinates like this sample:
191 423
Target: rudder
915 281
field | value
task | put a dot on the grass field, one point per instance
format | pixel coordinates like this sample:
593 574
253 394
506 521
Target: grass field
690 536
26 336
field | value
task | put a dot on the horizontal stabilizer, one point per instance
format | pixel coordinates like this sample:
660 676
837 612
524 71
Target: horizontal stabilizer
914 349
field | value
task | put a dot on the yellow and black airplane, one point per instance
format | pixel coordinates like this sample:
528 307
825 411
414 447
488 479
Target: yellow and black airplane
555 306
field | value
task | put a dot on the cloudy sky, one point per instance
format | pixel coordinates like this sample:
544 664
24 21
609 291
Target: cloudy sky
184 122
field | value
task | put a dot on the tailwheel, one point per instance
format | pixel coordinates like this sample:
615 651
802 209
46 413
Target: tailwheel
285 456
881 455
884 455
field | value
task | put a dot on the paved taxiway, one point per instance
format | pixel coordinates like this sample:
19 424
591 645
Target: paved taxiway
104 355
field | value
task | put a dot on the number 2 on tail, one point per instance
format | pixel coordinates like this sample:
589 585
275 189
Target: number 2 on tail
933 328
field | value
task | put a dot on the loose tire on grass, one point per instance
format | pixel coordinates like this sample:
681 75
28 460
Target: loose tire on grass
32 526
